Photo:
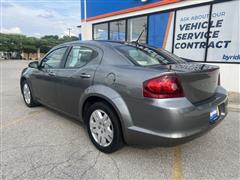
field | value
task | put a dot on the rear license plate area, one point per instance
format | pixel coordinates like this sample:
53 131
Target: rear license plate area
214 115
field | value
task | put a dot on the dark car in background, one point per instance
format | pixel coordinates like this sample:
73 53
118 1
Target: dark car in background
127 92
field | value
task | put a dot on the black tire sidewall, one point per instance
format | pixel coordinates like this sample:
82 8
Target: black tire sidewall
117 132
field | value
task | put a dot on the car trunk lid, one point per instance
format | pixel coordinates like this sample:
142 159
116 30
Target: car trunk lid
199 81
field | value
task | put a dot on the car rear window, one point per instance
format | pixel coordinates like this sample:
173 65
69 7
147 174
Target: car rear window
146 56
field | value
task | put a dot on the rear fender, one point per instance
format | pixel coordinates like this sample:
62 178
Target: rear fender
113 98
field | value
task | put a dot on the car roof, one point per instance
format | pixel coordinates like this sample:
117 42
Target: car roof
99 43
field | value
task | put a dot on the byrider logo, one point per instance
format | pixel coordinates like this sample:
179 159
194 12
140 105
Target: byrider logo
229 57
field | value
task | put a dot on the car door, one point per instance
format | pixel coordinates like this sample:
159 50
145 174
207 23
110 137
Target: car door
76 76
43 79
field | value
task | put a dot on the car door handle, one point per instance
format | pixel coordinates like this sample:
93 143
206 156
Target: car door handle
51 74
84 75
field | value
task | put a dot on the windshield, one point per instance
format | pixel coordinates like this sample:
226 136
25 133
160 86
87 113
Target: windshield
146 56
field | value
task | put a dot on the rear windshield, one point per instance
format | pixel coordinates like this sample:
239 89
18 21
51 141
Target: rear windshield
146 56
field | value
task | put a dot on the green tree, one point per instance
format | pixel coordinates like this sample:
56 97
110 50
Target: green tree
29 45
11 43
22 43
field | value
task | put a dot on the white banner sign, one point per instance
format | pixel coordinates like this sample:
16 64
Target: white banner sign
192 33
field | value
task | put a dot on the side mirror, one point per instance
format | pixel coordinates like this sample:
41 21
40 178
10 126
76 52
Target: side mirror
34 64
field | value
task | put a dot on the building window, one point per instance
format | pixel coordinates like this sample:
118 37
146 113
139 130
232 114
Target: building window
224 36
117 30
191 33
101 31
160 30
135 27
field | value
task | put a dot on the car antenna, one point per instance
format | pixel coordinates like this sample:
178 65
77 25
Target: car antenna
140 36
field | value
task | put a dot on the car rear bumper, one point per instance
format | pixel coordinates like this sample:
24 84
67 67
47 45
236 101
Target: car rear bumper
172 122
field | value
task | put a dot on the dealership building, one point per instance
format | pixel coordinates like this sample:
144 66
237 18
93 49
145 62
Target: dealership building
201 30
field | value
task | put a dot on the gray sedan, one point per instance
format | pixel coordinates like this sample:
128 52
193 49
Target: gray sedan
127 92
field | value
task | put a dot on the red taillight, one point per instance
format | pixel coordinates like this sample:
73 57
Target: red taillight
167 86
219 79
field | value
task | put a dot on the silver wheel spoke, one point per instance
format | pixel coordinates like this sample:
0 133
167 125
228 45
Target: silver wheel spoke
101 127
104 142
93 124
105 117
97 115
99 138
109 133
108 137
94 130
107 123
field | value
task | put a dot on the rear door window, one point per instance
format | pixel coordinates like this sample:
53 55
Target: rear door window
80 56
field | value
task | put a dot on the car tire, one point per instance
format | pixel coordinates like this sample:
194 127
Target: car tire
27 95
103 127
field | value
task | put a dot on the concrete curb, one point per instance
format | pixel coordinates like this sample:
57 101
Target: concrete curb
234 97
234 101
234 107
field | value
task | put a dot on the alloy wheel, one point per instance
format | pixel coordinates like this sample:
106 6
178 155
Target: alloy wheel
26 93
101 127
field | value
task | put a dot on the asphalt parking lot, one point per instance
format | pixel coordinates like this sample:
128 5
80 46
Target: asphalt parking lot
39 143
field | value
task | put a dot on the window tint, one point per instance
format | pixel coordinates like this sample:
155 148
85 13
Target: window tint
117 30
135 27
101 31
79 56
146 56
53 60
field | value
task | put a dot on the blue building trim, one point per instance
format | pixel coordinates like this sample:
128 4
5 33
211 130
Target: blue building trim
105 8
157 29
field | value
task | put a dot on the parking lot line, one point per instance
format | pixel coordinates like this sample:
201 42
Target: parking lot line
177 169
22 118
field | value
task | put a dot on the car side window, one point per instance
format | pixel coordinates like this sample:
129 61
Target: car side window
53 59
79 56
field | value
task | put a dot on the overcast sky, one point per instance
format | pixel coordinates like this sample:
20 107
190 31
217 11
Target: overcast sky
40 17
